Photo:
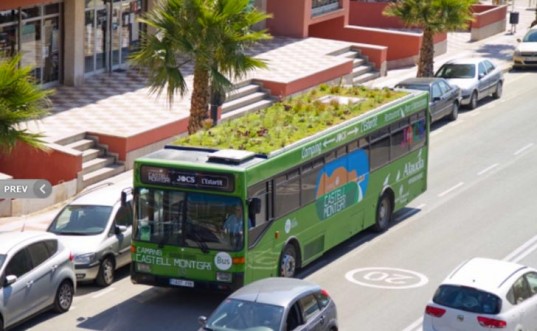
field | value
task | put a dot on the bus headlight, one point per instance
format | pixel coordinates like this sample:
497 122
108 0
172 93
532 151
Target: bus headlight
224 277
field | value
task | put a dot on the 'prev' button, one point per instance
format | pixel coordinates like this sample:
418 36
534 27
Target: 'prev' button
25 188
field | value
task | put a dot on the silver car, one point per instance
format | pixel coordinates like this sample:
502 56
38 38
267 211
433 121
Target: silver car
98 229
274 304
477 78
36 274
525 55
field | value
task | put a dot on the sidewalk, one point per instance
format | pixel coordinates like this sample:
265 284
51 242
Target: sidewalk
119 102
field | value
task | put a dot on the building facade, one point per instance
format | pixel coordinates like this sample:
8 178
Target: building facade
67 40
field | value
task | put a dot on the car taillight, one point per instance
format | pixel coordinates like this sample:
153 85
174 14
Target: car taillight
325 293
491 322
434 311
71 256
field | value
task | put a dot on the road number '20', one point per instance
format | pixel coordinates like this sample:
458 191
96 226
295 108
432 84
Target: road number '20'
387 278
379 276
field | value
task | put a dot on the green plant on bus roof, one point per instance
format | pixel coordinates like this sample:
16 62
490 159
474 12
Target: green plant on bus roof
288 121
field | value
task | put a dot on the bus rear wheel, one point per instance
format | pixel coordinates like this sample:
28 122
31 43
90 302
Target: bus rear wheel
288 261
384 214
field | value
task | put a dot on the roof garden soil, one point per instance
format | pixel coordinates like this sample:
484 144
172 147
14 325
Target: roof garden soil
286 122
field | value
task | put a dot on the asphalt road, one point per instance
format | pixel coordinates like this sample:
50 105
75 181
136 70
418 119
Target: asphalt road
480 202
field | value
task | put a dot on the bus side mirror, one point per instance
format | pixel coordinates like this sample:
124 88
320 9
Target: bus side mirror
255 206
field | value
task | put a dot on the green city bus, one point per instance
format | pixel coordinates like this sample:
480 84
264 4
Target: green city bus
297 202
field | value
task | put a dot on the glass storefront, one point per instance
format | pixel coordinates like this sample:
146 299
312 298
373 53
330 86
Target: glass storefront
111 33
34 32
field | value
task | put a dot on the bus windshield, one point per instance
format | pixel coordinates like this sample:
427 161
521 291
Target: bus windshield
187 219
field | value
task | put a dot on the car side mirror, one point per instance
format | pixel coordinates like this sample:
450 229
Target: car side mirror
10 279
202 320
120 228
481 75
435 99
125 194
518 39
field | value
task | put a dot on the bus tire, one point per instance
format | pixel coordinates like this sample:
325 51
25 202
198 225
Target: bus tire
288 261
105 277
384 214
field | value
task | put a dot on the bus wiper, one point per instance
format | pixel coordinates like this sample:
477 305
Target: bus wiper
202 245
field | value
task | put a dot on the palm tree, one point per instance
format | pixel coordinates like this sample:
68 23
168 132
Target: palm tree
211 35
21 100
432 16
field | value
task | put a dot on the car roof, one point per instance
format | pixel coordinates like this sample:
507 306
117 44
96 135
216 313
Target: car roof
11 239
484 273
277 291
467 60
419 81
101 195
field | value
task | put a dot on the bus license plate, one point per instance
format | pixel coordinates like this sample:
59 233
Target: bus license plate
181 282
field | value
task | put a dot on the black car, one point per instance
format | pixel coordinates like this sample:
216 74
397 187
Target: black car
444 99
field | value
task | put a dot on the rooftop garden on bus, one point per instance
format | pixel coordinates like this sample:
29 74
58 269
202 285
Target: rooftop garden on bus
293 119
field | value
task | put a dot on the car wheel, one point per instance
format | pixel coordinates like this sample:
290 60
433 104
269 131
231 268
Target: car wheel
105 277
473 101
288 261
384 214
64 297
454 112
498 92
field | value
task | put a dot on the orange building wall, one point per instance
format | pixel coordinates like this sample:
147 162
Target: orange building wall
370 14
54 166
485 15
288 18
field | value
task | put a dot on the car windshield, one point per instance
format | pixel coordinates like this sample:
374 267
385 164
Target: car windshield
81 220
452 70
531 36
244 315
414 87
467 299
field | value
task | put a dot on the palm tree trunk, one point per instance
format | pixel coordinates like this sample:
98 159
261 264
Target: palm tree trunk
200 99
426 60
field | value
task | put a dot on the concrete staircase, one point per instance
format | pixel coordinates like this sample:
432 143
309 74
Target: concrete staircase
97 162
362 70
247 97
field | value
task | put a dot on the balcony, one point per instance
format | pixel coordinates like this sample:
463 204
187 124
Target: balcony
319 7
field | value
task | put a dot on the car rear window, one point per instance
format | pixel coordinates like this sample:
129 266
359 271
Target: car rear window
467 299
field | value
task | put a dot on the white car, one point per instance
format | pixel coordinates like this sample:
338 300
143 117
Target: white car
525 54
483 294
98 229
36 273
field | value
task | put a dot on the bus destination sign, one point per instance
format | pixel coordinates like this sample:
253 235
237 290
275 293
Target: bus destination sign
187 179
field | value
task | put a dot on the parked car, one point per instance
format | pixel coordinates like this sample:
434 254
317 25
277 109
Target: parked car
36 274
444 99
477 78
484 294
274 304
98 229
525 55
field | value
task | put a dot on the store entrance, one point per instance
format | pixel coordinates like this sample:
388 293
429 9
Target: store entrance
112 33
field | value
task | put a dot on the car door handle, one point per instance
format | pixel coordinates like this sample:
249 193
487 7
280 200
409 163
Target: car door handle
54 267
29 284
322 319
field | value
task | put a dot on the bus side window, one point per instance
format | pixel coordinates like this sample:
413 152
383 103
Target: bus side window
258 210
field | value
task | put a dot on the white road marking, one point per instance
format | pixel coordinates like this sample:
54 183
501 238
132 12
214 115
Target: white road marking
523 149
103 292
450 189
487 169
414 326
386 278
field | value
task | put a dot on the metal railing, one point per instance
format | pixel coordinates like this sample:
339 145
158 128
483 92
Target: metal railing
319 7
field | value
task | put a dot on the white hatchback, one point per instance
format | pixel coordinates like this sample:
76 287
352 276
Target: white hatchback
483 294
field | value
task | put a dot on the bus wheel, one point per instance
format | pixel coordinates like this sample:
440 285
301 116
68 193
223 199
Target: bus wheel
384 214
288 261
